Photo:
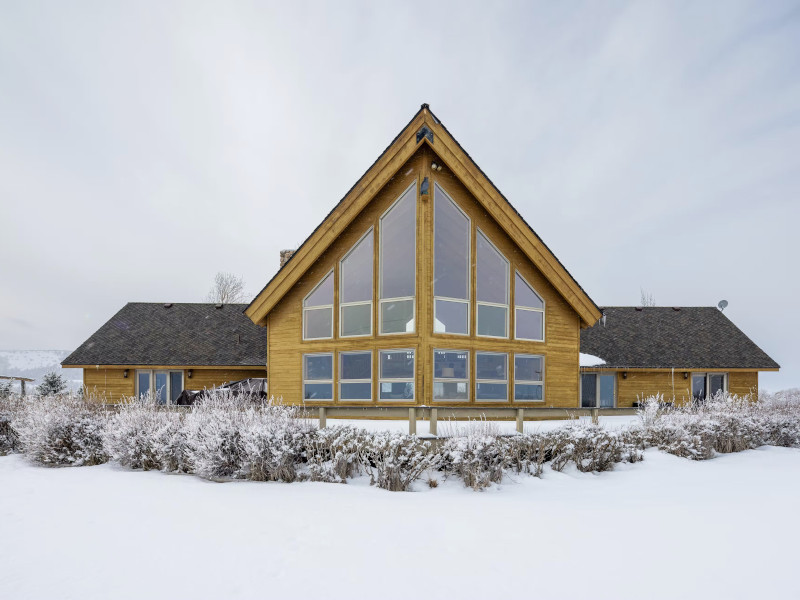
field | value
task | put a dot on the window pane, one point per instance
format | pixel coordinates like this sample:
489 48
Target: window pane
451 317
398 247
528 392
323 294
524 294
450 390
491 366
356 366
699 387
588 391
492 273
161 388
175 385
318 366
144 383
318 391
492 321
529 325
607 391
356 320
450 365
356 391
356 273
318 323
397 316
491 391
397 365
527 368
716 384
451 248
393 390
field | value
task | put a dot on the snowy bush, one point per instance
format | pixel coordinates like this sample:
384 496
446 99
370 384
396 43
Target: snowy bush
337 454
9 408
477 459
62 430
394 461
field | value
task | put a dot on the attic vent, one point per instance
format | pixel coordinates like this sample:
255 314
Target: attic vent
168 305
639 308
218 306
676 308
425 133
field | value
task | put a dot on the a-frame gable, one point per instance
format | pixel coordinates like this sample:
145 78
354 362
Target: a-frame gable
424 128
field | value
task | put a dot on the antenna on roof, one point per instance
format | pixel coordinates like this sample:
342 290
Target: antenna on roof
722 304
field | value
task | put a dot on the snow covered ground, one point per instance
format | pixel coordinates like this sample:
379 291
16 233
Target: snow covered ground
664 528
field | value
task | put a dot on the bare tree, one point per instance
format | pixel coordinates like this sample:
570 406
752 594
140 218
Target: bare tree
647 298
227 289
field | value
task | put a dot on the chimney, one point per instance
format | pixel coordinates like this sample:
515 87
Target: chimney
285 256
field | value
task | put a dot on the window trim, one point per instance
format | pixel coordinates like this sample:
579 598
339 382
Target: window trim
152 373
317 381
412 380
479 303
320 307
597 399
369 381
413 298
369 302
543 358
502 381
466 301
528 309
436 380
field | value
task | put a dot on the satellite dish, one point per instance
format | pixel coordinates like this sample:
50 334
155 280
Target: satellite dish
722 304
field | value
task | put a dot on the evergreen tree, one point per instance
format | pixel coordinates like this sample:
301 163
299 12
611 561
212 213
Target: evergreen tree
52 384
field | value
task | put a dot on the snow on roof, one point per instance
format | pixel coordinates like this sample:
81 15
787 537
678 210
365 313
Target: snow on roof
590 360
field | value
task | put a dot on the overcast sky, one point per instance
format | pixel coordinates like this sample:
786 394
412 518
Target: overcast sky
144 146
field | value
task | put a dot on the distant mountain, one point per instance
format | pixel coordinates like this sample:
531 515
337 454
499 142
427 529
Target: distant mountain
35 364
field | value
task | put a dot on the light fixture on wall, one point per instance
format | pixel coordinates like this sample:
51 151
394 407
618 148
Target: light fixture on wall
189 373
125 374
624 374
436 167
686 374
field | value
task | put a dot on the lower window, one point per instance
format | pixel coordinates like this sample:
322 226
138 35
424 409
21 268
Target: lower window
165 386
528 378
355 376
451 375
396 375
708 385
598 391
318 376
491 377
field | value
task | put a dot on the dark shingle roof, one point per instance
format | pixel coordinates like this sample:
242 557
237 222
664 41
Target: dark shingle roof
144 333
665 337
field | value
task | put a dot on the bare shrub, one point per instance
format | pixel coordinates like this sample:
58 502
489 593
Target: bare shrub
477 459
10 406
337 453
394 461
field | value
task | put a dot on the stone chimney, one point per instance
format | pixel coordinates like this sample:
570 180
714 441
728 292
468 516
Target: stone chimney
285 256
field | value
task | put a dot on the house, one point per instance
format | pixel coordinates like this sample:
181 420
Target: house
168 347
423 286
680 352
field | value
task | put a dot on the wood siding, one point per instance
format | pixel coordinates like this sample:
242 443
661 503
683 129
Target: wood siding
562 323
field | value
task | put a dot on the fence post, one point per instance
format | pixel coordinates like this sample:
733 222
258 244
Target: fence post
434 417
323 417
595 416
412 421
520 419
22 387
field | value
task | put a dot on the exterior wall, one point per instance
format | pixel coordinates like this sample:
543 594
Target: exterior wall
110 385
641 384
562 329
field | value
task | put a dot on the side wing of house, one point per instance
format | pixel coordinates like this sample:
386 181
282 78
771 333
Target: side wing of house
422 287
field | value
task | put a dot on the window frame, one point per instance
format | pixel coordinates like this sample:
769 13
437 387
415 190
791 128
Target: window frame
496 381
318 381
343 305
152 374
341 380
412 380
597 399
517 307
706 375
479 303
543 358
436 380
329 307
466 301
381 299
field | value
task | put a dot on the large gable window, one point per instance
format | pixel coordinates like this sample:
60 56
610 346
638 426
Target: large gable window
492 276
451 375
318 311
318 376
528 378
355 295
355 376
528 311
451 248
491 376
396 377
398 264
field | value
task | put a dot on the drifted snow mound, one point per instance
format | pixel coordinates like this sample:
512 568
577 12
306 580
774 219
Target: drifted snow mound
590 360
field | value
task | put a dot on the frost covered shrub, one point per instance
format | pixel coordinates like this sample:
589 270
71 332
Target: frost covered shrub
62 430
594 449
527 453
337 454
479 460
9 440
394 461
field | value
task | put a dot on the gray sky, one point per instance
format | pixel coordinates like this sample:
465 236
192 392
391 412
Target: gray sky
144 146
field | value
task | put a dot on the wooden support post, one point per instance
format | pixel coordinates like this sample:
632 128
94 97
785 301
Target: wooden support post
22 387
595 416
412 421
520 419
434 417
323 417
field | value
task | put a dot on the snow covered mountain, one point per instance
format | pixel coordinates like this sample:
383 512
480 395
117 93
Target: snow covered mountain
35 364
